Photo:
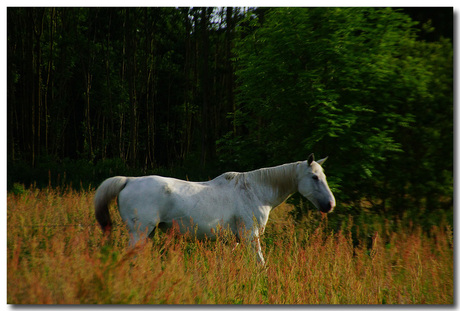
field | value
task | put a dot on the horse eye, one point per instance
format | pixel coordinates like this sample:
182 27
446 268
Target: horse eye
315 177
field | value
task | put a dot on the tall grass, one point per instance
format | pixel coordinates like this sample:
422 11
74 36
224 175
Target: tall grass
57 255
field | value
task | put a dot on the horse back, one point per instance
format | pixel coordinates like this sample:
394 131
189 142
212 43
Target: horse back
168 195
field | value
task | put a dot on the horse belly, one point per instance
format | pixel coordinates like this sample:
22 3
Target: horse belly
200 215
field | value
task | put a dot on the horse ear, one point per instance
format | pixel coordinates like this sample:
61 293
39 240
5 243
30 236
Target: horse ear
311 158
320 162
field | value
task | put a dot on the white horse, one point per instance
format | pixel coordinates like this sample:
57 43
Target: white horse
232 200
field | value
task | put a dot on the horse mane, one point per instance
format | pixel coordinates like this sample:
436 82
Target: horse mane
281 178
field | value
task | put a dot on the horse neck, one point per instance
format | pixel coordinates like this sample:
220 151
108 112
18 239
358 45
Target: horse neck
274 184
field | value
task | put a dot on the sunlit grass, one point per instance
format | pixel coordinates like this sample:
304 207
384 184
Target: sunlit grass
57 254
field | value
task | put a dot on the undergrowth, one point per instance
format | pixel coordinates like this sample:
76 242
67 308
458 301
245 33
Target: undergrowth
56 254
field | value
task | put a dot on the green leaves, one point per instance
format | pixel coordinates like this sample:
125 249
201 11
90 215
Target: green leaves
351 83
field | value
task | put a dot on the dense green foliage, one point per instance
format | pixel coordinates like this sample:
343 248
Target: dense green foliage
96 92
354 84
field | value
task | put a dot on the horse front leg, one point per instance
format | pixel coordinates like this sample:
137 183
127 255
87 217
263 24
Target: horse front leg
258 250
255 244
249 236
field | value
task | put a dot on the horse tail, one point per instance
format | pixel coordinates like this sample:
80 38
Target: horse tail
105 193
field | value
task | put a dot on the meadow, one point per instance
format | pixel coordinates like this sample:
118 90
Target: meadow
56 254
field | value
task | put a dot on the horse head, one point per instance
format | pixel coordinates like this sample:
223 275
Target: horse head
312 184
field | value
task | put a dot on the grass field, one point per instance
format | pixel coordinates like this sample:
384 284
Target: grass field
57 255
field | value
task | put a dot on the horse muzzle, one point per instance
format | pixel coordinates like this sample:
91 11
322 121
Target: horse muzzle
327 207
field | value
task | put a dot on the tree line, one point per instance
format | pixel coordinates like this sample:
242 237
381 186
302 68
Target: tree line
134 84
215 89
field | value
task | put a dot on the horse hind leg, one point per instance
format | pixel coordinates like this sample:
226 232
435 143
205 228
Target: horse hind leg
139 231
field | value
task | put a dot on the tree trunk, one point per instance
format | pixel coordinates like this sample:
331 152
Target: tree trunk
205 86
150 88
49 79
230 74
187 86
131 70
